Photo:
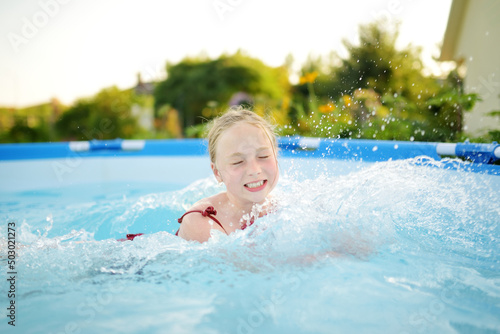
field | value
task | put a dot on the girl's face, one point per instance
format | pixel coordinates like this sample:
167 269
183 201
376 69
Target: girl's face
246 163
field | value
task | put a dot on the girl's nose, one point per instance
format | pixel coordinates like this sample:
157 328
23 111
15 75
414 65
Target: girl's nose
253 167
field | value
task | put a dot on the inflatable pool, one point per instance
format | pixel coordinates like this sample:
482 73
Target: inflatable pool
368 237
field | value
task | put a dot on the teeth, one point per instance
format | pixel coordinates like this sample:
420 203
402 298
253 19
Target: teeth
255 184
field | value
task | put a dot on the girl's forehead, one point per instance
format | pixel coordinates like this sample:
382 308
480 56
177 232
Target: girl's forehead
247 130
241 135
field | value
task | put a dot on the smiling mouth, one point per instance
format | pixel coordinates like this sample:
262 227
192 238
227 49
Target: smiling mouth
256 185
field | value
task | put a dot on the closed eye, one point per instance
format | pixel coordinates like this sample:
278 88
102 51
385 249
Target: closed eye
237 163
264 157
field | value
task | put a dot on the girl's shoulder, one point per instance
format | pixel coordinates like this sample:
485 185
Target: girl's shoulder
215 201
195 225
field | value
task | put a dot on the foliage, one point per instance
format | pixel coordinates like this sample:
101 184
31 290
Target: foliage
20 132
378 92
31 124
194 86
105 116
447 107
494 135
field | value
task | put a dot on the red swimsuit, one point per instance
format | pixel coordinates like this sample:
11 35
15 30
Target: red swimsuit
209 212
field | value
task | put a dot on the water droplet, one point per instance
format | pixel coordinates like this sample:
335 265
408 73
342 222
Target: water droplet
374 148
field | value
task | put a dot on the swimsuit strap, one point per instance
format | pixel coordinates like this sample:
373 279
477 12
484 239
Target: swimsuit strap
209 212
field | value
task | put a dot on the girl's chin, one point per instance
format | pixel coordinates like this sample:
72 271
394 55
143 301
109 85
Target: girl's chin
261 198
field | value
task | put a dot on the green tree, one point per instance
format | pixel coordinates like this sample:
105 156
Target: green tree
195 86
390 97
446 108
493 135
20 132
104 116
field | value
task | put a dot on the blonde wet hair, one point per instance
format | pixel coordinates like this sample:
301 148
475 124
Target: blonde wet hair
234 116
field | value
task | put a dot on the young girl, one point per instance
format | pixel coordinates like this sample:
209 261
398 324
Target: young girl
243 154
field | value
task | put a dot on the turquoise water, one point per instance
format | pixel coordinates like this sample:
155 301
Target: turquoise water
392 247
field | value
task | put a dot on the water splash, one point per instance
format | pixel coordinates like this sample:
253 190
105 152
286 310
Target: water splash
337 246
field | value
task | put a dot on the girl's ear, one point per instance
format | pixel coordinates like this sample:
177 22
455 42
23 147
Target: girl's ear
216 172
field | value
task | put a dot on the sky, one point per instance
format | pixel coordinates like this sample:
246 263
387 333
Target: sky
70 49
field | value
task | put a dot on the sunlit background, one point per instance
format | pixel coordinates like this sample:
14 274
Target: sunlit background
60 51
88 45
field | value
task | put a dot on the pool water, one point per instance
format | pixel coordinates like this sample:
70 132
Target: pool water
404 246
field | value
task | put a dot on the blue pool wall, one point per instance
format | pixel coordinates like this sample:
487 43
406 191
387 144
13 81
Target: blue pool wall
182 161
367 150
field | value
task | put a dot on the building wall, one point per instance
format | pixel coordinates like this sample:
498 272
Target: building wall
478 45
